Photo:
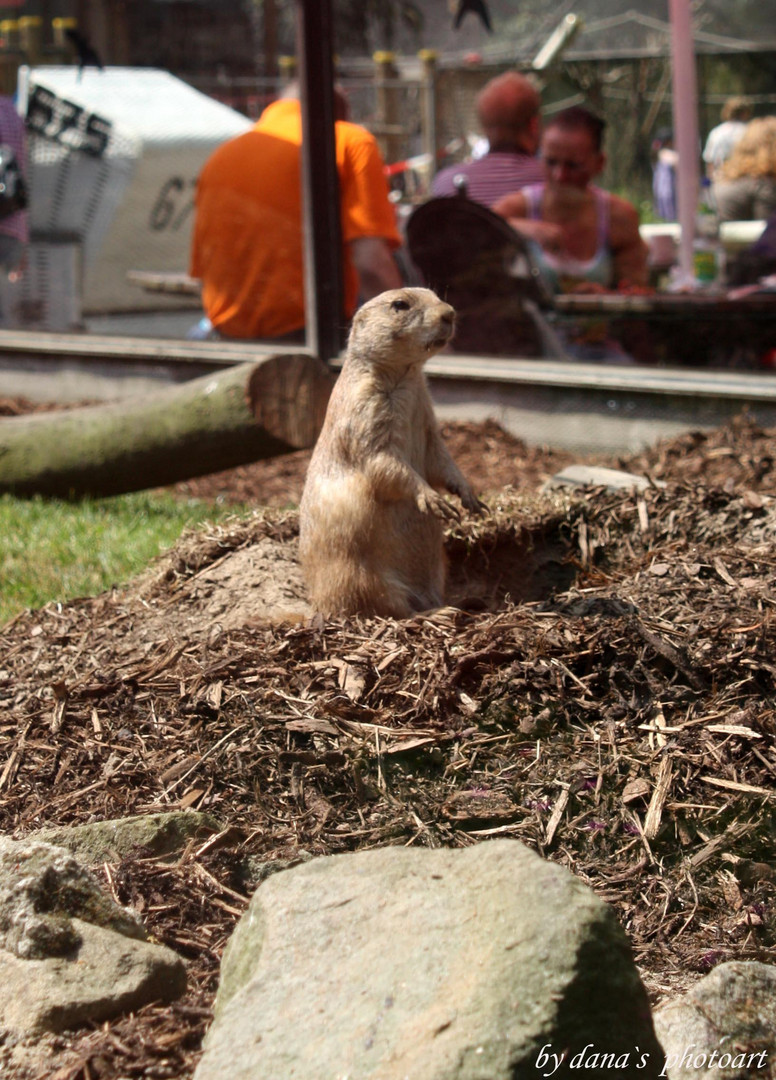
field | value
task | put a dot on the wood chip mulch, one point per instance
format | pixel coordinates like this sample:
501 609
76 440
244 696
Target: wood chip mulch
623 728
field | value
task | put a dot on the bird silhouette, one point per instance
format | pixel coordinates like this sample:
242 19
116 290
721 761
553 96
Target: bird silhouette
87 54
478 8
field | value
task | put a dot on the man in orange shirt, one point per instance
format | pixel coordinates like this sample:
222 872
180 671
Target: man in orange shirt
248 242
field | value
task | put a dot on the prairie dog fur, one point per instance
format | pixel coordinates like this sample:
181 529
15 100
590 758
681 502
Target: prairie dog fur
370 532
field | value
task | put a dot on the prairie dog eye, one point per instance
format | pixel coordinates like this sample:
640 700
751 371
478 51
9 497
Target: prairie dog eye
400 305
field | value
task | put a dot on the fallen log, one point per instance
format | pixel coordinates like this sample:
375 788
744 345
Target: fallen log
233 417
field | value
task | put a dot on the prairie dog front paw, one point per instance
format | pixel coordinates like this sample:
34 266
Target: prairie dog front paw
429 501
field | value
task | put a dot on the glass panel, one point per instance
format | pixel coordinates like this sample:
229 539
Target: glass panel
114 156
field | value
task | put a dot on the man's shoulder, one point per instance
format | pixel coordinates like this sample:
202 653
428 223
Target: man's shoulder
232 150
442 183
353 134
723 134
446 171
494 175
491 162
624 219
623 210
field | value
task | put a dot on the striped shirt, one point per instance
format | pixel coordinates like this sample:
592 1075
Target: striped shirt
12 133
491 177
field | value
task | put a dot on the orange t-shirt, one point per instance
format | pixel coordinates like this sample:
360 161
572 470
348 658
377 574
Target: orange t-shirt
248 248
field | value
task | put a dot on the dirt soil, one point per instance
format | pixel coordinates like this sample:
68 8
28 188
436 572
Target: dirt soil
601 686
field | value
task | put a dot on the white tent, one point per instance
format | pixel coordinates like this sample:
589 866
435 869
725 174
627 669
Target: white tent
113 161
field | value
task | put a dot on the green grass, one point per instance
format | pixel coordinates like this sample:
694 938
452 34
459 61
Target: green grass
54 550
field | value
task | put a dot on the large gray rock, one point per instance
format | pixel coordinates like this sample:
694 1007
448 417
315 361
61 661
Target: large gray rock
106 974
161 834
41 888
724 1026
68 953
475 964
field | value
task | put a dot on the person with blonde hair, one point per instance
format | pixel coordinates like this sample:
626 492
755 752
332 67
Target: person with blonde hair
735 114
745 185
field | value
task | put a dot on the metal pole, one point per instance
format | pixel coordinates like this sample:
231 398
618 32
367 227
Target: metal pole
320 182
388 129
685 129
428 111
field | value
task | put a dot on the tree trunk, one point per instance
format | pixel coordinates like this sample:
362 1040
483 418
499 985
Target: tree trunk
232 417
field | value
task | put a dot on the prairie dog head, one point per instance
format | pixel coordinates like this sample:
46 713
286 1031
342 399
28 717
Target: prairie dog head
401 327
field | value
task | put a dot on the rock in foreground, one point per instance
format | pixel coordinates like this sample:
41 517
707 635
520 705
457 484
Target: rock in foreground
442 964
724 1027
68 953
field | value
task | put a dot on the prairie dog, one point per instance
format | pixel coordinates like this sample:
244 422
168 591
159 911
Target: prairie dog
370 532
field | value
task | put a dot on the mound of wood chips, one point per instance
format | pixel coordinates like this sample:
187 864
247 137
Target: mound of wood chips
620 721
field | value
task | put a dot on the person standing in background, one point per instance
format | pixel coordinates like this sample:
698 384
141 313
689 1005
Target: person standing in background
664 165
508 112
745 185
14 228
735 114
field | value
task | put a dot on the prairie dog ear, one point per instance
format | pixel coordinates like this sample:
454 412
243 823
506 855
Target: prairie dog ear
356 321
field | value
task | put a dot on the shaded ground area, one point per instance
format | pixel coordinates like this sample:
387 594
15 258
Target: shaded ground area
492 459
607 695
489 456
